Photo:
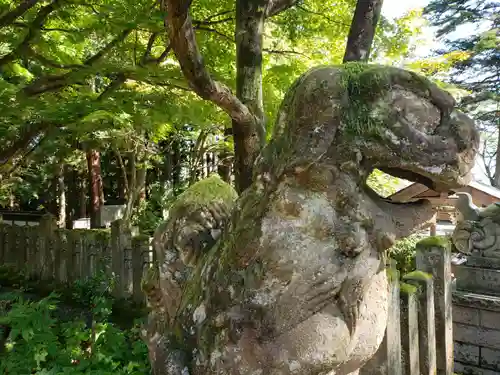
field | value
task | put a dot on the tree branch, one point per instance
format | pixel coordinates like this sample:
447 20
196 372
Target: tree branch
329 19
60 29
33 32
181 31
164 54
9 17
278 6
119 38
285 52
212 30
123 169
147 52
48 62
114 85
28 133
56 82
121 77
208 22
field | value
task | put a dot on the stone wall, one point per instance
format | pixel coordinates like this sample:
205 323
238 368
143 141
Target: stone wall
476 316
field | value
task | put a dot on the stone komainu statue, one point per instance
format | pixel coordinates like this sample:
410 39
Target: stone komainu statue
296 283
478 231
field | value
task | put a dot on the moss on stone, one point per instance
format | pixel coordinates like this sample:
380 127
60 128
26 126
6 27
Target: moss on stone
392 272
365 83
96 231
408 288
392 275
141 237
417 275
212 188
435 241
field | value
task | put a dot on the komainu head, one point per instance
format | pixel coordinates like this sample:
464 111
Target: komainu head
370 116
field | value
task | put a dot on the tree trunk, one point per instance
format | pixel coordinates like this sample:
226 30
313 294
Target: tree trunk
177 166
496 178
123 187
61 193
136 185
52 206
82 186
249 138
224 164
362 31
95 185
72 188
165 175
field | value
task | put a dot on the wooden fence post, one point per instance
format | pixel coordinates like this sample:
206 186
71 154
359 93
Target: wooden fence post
394 365
140 253
46 232
65 256
11 245
21 247
120 237
2 242
409 329
434 257
387 359
426 321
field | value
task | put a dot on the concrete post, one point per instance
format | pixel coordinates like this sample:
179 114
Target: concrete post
426 322
409 329
434 257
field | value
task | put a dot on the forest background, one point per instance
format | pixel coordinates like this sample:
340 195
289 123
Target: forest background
99 106
129 102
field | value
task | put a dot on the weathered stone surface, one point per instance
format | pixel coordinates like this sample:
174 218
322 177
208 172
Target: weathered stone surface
483 262
490 319
479 280
463 369
479 336
297 282
467 315
466 353
475 300
490 358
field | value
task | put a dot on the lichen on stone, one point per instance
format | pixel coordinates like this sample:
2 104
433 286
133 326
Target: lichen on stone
435 241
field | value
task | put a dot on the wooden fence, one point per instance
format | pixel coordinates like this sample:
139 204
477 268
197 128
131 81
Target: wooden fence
419 334
46 252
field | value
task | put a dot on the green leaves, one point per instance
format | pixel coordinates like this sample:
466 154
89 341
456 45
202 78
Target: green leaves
45 338
471 34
